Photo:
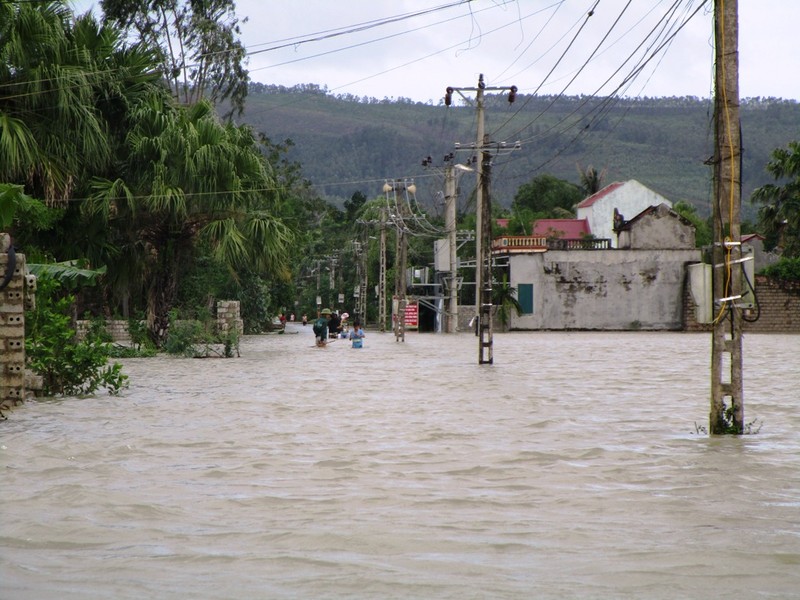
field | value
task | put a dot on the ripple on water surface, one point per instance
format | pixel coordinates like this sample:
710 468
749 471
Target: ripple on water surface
571 468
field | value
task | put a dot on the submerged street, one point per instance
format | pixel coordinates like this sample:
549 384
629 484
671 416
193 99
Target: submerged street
571 468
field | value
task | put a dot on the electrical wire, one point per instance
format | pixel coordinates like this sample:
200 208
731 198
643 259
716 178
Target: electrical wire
636 70
564 125
332 33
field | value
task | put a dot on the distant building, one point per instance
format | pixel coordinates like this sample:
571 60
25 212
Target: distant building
657 227
622 198
582 283
761 257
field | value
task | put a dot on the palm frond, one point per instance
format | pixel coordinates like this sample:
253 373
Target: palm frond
69 273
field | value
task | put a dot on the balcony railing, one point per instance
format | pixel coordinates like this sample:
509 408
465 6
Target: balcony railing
537 243
581 244
519 243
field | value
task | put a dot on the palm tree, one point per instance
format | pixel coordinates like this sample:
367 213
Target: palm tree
189 180
81 112
591 179
50 130
779 216
504 297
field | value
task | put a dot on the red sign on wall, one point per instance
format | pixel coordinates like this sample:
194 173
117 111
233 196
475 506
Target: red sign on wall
412 315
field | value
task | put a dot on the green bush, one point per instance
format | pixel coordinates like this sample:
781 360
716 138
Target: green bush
195 338
68 366
183 336
787 269
140 335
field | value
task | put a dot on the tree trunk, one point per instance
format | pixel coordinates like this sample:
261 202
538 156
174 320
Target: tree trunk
161 293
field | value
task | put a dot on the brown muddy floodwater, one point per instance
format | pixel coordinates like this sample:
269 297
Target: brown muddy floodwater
569 469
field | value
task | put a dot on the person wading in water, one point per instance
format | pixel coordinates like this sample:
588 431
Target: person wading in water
321 327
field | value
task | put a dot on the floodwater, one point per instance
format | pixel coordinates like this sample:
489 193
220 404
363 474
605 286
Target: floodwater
570 469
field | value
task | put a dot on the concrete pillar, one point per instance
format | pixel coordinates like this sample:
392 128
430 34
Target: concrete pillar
228 317
13 388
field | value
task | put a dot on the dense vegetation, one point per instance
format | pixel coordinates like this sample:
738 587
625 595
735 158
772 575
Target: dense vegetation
118 174
105 163
347 143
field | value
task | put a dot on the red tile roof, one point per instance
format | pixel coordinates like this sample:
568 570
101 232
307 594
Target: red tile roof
751 236
598 195
568 229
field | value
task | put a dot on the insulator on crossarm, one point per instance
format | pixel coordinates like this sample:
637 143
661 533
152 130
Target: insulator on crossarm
512 95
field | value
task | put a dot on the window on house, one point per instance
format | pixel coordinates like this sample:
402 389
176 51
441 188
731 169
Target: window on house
525 297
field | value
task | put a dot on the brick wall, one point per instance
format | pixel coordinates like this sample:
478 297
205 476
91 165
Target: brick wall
779 303
118 329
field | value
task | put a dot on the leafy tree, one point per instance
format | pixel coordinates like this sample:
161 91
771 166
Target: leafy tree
198 43
66 91
15 205
779 217
188 180
703 234
353 206
545 194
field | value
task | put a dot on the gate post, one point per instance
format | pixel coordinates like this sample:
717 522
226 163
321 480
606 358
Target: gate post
17 294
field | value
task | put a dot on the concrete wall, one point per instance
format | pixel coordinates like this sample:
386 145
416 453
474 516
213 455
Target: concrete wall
466 312
629 199
659 228
603 289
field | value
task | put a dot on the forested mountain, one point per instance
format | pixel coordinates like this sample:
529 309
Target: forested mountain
347 144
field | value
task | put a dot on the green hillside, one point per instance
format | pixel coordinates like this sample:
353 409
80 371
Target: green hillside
347 144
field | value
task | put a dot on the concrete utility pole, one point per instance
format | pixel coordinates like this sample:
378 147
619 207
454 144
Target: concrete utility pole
401 254
360 291
483 225
400 332
727 401
450 226
382 277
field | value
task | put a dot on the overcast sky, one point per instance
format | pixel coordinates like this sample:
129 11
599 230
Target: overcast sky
541 46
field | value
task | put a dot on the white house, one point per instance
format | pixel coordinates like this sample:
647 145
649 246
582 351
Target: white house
629 198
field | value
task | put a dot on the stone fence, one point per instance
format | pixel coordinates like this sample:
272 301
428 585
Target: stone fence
228 319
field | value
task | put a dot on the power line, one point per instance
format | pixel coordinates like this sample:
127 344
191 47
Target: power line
333 33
